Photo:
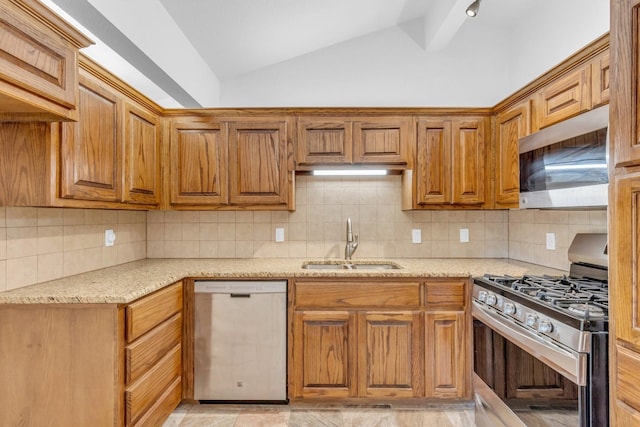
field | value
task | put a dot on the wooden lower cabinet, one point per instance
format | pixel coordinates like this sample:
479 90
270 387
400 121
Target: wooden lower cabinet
69 365
370 339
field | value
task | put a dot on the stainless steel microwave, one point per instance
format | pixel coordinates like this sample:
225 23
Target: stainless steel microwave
566 165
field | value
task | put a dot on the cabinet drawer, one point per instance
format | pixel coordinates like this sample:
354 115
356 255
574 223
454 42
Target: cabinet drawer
146 351
448 294
146 391
160 411
148 312
357 294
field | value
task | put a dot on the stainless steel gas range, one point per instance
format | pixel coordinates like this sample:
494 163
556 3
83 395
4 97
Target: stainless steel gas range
540 343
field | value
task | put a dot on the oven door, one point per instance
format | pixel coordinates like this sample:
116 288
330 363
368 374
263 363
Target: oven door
521 377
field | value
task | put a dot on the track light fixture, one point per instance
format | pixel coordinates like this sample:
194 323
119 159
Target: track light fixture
472 10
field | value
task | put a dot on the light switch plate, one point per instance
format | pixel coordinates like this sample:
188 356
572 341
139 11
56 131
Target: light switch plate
464 235
416 235
109 237
551 241
279 234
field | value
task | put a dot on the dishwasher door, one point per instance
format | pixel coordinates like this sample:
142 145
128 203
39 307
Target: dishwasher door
240 343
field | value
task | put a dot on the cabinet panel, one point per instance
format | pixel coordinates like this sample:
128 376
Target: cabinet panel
390 354
354 294
449 294
258 162
468 148
566 97
198 163
325 352
601 79
141 156
511 125
381 140
324 140
91 148
446 355
433 162
148 312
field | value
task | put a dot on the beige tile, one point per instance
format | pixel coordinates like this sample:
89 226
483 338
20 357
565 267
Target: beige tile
297 249
50 239
134 251
191 231
227 249
155 249
262 232
50 216
333 213
598 217
3 243
297 231
227 231
208 249
22 242
262 217
93 216
208 216
190 216
262 419
244 231
173 216
21 272
110 217
155 216
155 231
301 197
412 418
173 231
3 216
208 231
244 249
73 217
3 275
109 256
21 217
190 249
173 249
368 213
226 216
50 266
244 216
131 217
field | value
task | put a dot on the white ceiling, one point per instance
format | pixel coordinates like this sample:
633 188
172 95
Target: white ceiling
190 48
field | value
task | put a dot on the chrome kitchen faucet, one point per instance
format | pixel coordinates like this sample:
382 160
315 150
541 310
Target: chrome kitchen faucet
352 241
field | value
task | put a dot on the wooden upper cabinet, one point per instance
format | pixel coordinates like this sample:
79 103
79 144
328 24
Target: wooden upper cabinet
141 156
600 78
511 125
91 149
258 173
352 140
381 140
450 162
433 162
565 97
38 63
198 162
324 140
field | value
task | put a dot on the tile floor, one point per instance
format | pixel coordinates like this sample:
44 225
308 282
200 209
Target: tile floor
194 415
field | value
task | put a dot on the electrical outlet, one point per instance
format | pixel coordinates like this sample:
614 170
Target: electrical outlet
109 237
416 235
551 241
464 235
279 234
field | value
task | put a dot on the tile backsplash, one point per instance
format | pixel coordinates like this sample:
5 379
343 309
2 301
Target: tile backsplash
528 229
41 244
317 229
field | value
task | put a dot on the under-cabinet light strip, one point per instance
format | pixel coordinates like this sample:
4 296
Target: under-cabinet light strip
349 172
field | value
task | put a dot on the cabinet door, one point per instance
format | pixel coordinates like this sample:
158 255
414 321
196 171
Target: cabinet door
468 158
198 163
91 148
511 125
258 162
390 350
141 156
433 162
566 97
381 140
324 140
600 79
324 359
446 374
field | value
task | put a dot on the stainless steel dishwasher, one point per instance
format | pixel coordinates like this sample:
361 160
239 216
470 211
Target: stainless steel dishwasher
240 350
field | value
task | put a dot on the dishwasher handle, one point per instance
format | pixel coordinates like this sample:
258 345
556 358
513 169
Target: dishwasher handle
240 295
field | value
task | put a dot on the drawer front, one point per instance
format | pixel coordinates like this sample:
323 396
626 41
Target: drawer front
160 411
148 312
449 294
146 351
357 294
146 391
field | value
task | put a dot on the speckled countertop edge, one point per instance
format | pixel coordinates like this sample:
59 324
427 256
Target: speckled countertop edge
127 282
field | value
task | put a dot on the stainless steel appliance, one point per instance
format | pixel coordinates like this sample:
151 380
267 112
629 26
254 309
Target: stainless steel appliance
566 165
540 343
240 350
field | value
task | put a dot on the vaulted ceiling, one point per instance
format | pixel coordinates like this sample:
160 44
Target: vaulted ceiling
190 49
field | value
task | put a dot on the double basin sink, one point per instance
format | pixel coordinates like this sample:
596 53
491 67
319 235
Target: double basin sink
350 265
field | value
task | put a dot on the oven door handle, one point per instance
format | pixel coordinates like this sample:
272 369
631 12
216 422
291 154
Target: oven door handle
571 364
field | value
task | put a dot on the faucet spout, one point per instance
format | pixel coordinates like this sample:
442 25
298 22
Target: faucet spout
352 241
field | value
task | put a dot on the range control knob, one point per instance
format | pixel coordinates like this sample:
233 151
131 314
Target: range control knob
545 327
491 299
531 319
509 308
482 296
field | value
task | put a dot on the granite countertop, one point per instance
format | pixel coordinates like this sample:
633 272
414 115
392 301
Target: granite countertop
127 282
